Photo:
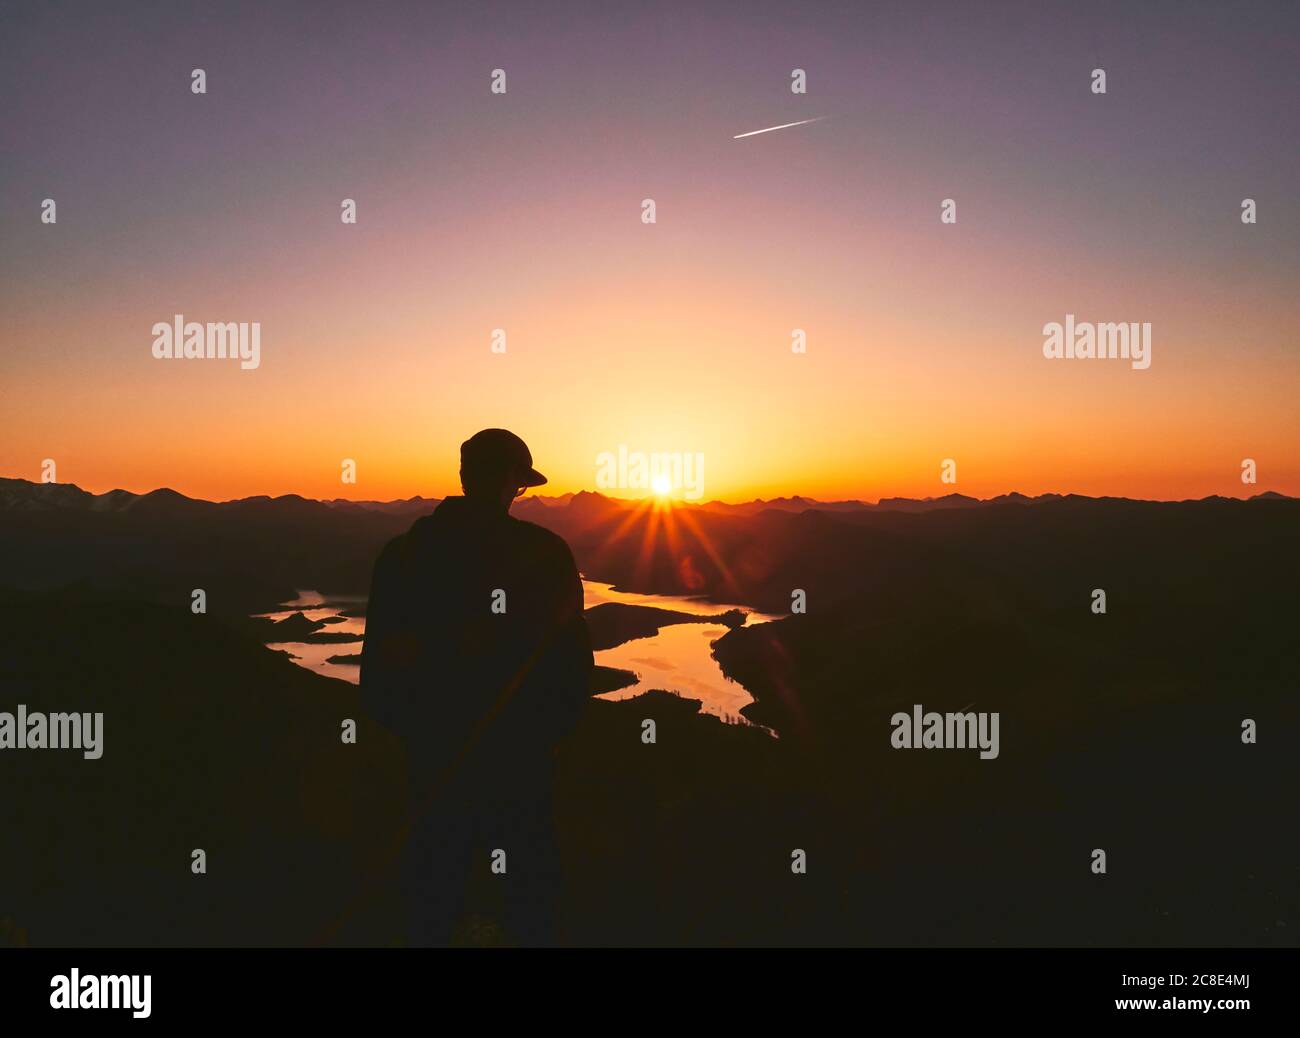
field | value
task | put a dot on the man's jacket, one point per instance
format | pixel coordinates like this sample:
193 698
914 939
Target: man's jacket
476 651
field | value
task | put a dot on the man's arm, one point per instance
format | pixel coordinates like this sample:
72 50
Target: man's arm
387 658
570 661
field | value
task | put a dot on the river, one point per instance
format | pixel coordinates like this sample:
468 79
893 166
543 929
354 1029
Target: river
678 659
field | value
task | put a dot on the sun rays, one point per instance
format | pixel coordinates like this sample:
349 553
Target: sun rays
671 540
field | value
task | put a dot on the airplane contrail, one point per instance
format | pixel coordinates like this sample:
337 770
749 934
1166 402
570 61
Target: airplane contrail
783 126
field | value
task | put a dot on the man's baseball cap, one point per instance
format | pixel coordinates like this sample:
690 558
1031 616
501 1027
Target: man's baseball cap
499 451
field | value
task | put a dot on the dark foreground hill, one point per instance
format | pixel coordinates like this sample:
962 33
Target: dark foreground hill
1119 731
213 741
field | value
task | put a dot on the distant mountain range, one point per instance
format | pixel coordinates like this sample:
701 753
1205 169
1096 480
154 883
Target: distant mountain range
27 495
251 553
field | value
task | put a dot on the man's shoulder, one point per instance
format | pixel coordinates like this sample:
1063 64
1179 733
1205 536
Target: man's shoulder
540 539
393 552
415 543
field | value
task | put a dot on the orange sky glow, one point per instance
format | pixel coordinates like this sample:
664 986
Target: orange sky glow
523 212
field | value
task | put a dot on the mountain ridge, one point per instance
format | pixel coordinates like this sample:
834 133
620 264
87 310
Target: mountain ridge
17 493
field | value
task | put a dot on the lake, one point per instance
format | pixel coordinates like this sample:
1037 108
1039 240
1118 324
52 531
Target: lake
678 659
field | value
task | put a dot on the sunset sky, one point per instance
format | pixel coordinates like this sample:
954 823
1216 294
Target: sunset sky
523 212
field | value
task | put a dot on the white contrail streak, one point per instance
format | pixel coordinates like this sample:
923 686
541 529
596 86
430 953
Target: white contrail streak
783 126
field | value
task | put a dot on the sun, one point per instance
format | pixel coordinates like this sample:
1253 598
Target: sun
662 486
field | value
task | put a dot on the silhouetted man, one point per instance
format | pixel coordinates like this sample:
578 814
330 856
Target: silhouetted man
477 655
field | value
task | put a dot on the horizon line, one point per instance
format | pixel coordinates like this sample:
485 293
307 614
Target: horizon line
674 501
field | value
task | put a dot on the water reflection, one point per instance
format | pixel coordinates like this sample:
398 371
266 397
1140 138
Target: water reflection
678 659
